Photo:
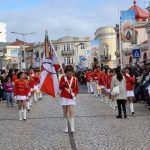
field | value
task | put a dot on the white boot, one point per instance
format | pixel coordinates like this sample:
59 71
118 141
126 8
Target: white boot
20 114
35 97
132 108
40 95
28 106
113 104
107 100
24 114
66 125
72 124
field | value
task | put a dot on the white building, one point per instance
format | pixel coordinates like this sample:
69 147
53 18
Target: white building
69 51
3 32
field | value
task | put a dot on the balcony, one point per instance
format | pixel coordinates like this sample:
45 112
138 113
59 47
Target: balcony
105 58
67 53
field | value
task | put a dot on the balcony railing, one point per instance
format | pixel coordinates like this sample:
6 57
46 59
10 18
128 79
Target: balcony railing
105 58
69 52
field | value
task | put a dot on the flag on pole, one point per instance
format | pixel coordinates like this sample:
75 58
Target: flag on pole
49 83
128 26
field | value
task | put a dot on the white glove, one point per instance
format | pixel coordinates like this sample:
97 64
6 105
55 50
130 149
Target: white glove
65 78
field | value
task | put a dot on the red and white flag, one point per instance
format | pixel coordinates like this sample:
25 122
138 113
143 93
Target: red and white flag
49 83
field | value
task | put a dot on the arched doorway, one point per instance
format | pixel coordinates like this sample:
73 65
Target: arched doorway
144 56
130 60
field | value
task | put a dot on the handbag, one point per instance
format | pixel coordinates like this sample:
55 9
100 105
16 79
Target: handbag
115 91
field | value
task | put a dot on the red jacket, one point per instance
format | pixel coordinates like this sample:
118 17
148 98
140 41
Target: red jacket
95 77
102 79
129 82
21 87
88 76
64 87
14 78
108 83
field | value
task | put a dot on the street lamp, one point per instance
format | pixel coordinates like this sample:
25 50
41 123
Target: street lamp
23 35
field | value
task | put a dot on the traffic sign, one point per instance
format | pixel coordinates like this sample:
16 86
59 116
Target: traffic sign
136 53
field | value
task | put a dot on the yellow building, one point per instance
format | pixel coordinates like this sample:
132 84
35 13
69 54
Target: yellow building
107 37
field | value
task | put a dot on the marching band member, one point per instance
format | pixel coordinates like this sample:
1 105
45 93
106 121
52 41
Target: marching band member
69 89
95 81
101 83
88 76
36 86
130 80
21 93
98 74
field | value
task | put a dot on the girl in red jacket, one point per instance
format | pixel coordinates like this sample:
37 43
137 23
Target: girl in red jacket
130 80
67 95
21 93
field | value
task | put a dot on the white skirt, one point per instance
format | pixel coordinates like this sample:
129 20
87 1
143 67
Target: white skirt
102 86
36 87
21 98
108 90
130 93
66 101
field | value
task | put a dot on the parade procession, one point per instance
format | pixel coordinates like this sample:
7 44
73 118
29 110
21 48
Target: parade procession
80 81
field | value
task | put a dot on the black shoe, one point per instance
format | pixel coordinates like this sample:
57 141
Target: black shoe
132 113
125 116
118 116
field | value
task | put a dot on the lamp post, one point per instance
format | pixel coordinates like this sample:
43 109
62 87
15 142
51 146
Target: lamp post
23 36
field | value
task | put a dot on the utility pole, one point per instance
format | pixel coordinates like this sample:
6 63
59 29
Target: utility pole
23 46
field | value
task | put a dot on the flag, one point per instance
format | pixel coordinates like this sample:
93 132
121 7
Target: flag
128 26
49 83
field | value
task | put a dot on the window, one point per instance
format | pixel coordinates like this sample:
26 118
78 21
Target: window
106 49
64 47
65 60
68 47
68 60
72 60
56 47
82 45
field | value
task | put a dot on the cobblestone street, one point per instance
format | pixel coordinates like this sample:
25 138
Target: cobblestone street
95 124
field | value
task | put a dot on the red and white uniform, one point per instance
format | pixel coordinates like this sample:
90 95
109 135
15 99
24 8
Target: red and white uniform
130 85
89 76
108 83
89 79
36 82
101 81
65 94
21 89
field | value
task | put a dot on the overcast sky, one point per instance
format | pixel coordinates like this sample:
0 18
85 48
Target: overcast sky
78 18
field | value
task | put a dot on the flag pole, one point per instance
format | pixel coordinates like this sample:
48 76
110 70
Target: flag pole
120 41
60 66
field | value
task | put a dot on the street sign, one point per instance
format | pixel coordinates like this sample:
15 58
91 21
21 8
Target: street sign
136 53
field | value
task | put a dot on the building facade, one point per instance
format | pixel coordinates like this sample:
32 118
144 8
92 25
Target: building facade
3 32
69 50
141 16
107 48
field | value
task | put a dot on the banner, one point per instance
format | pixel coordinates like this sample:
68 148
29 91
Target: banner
95 47
89 55
128 26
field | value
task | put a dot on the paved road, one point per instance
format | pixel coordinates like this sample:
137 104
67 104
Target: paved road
96 127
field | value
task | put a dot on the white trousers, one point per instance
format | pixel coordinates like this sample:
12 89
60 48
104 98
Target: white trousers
90 87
